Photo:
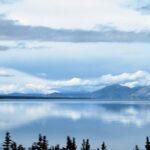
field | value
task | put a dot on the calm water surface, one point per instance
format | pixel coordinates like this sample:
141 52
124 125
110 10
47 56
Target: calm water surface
120 124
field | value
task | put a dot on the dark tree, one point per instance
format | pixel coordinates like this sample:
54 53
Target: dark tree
40 142
71 144
147 146
85 145
34 146
14 146
74 146
45 143
68 145
20 147
8 142
103 146
57 147
136 147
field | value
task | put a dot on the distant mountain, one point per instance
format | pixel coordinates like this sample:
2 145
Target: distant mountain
22 96
75 94
112 92
62 95
142 92
25 94
122 92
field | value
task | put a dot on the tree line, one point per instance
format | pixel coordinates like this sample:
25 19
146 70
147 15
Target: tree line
42 144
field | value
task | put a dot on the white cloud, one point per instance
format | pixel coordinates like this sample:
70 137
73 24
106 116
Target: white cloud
83 14
131 84
18 81
139 78
4 73
5 89
22 82
124 76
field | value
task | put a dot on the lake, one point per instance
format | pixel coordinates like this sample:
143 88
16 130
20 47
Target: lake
120 124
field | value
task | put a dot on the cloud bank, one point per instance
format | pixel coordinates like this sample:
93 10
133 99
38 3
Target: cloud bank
12 30
14 81
101 21
70 14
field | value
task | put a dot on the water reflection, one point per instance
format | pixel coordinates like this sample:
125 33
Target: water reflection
15 114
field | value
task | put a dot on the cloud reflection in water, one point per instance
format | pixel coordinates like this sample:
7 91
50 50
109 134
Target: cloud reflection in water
17 114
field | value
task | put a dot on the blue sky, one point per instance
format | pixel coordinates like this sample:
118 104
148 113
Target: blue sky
60 41
67 60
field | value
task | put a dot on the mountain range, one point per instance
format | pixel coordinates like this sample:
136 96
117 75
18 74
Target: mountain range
112 92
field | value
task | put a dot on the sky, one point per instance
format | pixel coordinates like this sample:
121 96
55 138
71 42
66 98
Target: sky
44 43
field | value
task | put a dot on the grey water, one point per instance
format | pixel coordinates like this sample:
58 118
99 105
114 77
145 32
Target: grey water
121 125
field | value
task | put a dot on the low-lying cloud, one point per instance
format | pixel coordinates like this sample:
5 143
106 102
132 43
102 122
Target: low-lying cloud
13 81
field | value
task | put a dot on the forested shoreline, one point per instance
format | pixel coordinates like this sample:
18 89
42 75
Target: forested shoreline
43 144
